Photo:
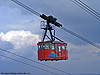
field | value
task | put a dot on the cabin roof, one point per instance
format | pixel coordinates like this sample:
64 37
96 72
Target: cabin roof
52 42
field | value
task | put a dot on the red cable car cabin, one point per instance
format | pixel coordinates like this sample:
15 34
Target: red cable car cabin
52 51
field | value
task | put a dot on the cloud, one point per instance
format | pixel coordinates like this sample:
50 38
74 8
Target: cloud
20 42
20 38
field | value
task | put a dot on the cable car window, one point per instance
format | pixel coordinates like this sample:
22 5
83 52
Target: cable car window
46 46
52 46
40 47
63 47
56 48
59 48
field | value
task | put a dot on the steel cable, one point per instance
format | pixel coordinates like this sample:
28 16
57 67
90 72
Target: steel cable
87 9
28 64
35 61
26 7
80 37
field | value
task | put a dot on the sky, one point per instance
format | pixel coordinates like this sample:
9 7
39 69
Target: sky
20 31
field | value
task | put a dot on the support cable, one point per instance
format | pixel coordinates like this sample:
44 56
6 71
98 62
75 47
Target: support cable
28 64
35 61
89 7
50 19
26 7
80 37
86 9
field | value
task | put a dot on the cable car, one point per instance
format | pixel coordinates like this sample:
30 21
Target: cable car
51 49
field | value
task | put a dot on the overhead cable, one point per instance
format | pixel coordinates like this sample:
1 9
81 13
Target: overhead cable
84 5
43 16
26 7
80 37
34 61
28 64
87 9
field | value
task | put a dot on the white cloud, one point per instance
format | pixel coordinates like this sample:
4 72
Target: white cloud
20 42
20 38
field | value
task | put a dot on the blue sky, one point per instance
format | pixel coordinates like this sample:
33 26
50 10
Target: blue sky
20 32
